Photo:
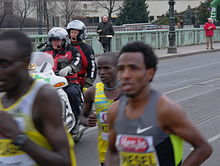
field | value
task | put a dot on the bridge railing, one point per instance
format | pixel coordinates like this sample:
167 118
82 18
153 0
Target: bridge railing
156 38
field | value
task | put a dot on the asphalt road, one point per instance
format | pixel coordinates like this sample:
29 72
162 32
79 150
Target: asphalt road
192 81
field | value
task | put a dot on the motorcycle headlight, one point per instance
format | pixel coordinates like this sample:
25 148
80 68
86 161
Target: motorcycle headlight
59 84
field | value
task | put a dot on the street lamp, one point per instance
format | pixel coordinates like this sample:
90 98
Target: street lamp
172 34
40 17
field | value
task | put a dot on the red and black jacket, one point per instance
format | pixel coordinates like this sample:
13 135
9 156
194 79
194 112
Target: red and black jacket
68 56
89 69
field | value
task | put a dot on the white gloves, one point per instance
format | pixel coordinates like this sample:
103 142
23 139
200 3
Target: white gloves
65 71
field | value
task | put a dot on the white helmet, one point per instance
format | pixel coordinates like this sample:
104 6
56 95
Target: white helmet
77 25
58 33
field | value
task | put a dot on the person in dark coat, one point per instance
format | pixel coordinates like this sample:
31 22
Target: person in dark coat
105 31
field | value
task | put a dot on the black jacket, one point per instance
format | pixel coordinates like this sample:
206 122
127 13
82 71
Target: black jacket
107 29
89 68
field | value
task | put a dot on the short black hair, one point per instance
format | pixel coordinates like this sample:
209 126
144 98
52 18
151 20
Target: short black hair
22 41
150 59
112 55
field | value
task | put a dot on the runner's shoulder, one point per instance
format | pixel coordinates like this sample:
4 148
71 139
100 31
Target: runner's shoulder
168 111
113 109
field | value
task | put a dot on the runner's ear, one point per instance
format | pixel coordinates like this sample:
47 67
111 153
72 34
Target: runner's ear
150 74
26 61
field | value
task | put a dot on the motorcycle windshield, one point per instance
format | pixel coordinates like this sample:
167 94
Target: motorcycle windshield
41 62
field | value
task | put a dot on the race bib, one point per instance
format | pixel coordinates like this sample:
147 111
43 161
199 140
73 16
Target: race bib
8 149
136 150
103 126
12 155
103 117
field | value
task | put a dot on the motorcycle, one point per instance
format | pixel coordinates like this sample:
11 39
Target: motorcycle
41 68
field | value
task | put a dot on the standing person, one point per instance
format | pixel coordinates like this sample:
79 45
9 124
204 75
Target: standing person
67 63
145 127
196 25
209 32
31 126
77 33
105 31
181 24
103 94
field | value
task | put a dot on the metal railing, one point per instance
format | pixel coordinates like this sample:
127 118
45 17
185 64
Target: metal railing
91 29
156 38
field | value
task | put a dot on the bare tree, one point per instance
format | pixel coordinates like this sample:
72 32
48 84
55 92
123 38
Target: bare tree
22 9
3 13
110 5
2 18
49 10
67 9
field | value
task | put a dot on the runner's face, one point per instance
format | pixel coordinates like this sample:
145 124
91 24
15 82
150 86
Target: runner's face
107 71
132 73
73 35
11 67
57 44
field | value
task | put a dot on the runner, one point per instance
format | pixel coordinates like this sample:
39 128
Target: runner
31 126
147 128
102 95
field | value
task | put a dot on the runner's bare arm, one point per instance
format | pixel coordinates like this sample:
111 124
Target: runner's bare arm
172 119
112 156
50 116
86 118
89 96
46 113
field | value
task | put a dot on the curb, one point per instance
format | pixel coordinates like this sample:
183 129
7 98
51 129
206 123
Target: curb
162 57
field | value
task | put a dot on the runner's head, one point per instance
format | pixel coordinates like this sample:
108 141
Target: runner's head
150 59
107 67
137 65
20 41
16 49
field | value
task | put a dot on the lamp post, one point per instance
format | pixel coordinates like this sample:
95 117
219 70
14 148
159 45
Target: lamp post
172 34
40 17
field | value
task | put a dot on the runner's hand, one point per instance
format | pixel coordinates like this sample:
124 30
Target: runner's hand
8 126
89 121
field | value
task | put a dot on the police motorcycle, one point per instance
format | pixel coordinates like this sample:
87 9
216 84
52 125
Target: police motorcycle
41 68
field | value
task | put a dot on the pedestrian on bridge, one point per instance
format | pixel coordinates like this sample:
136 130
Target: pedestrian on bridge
105 31
209 32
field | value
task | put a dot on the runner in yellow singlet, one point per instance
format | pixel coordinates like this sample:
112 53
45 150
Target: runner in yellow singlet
31 126
102 95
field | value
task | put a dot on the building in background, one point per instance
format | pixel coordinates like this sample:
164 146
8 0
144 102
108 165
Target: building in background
60 12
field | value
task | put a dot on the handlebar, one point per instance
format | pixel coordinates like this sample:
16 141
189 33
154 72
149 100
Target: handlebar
41 45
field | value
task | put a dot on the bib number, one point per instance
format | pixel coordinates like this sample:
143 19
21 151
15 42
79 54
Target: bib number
136 150
103 126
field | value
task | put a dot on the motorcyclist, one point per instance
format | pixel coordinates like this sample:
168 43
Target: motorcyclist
67 62
77 33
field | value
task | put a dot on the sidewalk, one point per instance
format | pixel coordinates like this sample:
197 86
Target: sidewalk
186 51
